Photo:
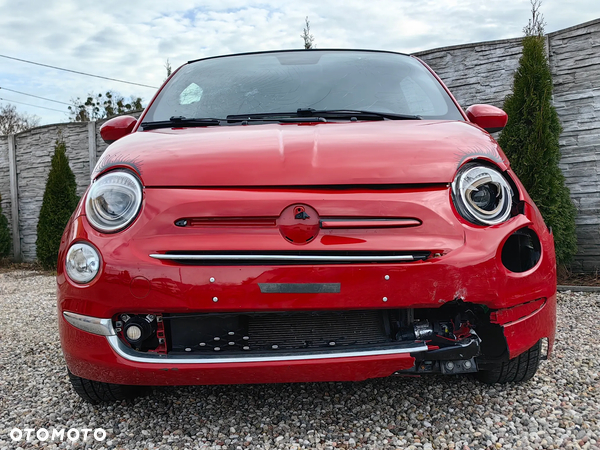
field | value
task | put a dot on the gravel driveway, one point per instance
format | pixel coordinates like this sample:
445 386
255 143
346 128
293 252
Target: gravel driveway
559 408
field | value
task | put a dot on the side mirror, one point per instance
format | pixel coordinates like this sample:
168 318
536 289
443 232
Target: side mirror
116 128
488 117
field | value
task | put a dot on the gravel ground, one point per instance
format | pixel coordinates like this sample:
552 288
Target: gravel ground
559 408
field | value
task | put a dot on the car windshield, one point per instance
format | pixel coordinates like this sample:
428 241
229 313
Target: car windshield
283 82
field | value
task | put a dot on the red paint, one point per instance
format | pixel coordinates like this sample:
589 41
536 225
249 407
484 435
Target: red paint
294 155
299 224
487 117
470 267
116 128
524 333
248 188
507 315
93 359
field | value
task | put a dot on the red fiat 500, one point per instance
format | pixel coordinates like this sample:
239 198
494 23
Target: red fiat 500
322 215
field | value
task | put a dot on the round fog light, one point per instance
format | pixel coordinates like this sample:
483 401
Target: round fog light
82 262
133 332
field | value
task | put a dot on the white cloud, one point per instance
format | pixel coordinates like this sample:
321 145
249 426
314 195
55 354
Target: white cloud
131 40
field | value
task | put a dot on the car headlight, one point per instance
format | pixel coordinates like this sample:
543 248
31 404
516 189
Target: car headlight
482 195
113 201
82 262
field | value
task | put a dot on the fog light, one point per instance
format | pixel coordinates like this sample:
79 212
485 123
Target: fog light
82 262
133 332
522 251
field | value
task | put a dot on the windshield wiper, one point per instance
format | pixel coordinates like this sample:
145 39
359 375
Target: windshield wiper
302 115
306 113
274 117
359 114
180 121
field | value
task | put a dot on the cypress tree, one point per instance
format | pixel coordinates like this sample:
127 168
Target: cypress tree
60 200
5 241
530 140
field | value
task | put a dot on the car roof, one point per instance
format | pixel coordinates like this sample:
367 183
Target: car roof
300 50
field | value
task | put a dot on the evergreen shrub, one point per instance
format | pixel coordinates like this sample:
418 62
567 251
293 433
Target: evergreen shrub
60 200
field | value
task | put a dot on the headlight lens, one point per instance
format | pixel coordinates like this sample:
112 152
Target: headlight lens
482 195
82 263
113 201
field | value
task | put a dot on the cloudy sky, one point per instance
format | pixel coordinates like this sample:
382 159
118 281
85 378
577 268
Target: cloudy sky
131 40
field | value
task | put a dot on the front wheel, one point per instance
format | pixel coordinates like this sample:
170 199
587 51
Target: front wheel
95 392
517 370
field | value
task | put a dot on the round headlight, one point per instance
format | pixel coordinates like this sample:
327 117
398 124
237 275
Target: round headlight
482 195
113 201
82 263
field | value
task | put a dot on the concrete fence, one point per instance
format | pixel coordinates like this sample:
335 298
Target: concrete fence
475 73
24 165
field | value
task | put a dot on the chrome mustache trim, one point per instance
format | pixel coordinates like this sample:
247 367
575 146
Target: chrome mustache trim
287 258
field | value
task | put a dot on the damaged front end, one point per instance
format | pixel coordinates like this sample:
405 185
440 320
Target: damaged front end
456 338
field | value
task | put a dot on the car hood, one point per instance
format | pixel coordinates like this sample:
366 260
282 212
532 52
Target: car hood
349 153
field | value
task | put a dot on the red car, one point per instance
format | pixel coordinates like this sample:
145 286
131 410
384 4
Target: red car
294 216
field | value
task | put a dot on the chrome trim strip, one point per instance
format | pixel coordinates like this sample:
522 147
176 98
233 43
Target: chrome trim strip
156 358
94 325
323 258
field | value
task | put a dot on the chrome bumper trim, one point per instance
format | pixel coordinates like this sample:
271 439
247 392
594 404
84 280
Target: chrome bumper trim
156 358
94 325
303 258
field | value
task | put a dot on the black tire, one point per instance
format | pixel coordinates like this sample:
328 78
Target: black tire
95 392
517 370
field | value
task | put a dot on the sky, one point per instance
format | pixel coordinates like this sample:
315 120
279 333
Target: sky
131 40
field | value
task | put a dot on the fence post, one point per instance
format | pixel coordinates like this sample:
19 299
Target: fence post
92 145
14 198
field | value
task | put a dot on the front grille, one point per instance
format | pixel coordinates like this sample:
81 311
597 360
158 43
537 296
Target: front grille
279 332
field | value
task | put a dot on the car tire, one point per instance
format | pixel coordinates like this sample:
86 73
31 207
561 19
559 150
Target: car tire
95 392
517 370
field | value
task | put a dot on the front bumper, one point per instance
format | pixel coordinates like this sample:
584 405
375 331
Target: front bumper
105 358
465 265
102 356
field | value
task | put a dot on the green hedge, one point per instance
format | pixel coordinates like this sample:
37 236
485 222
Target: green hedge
60 200
530 140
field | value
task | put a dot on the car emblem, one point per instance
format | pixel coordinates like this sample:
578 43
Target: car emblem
300 212
299 224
